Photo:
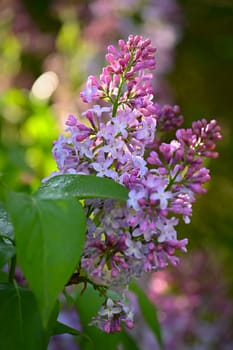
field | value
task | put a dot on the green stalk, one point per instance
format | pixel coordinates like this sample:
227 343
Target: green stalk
123 80
172 181
12 269
115 105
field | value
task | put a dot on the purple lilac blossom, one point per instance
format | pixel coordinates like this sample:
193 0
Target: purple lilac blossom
162 21
123 138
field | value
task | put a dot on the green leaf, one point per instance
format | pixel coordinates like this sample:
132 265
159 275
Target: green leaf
7 251
3 277
49 240
61 328
148 311
127 341
88 305
82 186
21 326
6 228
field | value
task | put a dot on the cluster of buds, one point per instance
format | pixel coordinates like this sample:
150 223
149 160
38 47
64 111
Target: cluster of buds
126 137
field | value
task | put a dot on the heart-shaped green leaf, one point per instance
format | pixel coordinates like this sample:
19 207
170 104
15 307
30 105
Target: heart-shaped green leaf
49 241
21 326
61 328
82 186
148 311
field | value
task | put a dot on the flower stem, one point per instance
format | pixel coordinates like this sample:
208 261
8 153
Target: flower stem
12 269
122 81
116 104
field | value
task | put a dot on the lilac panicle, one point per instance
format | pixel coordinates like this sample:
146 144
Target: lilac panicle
124 138
127 67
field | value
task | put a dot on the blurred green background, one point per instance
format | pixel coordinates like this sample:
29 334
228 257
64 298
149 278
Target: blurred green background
68 38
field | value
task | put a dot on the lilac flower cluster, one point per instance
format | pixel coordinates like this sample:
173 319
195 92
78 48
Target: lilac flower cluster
160 20
112 314
125 137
